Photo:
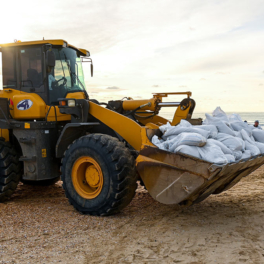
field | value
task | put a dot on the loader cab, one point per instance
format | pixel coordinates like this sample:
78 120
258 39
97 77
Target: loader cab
25 68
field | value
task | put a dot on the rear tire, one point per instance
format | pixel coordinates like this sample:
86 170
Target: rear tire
114 184
10 170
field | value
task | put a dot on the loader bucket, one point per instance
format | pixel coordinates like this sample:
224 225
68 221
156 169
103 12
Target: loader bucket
182 179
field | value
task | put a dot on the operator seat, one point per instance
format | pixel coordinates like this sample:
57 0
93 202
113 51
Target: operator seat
34 78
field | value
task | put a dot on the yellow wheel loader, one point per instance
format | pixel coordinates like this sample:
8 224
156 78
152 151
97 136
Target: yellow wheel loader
50 128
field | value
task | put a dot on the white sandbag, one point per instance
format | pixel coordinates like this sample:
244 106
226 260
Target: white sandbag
158 142
155 140
189 139
222 126
184 123
232 143
164 128
254 150
211 120
238 134
237 155
258 135
189 150
212 154
230 158
235 118
224 148
246 137
246 154
179 129
205 122
219 113
260 146
211 128
242 143
237 126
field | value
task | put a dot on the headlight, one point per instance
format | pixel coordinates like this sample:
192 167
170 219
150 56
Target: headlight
71 103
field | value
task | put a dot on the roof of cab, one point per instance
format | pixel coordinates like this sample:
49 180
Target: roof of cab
55 42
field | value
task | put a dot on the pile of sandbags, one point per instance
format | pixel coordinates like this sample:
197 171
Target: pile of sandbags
221 139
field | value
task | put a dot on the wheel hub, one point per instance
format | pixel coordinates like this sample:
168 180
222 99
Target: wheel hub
87 177
92 176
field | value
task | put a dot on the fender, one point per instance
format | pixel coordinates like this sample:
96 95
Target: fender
69 133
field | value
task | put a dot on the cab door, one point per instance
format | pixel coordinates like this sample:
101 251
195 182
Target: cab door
31 102
32 74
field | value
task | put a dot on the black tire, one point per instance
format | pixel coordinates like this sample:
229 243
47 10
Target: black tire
10 170
118 169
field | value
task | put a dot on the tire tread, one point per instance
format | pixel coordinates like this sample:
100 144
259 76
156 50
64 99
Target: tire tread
123 173
10 170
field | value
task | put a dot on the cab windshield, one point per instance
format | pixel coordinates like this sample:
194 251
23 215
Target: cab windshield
67 75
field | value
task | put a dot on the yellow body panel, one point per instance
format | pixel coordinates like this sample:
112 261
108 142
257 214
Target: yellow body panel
5 134
77 95
132 132
36 111
60 117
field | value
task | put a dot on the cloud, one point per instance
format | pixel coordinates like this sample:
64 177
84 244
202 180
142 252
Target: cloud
131 48
138 97
222 73
260 84
202 79
113 88
182 86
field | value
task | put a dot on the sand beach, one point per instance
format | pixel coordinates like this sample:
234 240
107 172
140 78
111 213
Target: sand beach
38 225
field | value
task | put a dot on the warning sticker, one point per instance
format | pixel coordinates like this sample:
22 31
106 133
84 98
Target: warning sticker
44 153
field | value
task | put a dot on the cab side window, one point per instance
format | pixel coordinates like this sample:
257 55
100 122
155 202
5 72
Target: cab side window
9 68
31 67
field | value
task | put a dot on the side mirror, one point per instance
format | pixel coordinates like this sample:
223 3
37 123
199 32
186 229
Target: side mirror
91 69
50 58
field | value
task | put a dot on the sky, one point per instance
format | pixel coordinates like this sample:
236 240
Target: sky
212 48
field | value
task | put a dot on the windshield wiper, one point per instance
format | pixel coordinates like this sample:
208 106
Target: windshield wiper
62 68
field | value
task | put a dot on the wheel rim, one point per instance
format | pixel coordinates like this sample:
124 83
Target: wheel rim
87 177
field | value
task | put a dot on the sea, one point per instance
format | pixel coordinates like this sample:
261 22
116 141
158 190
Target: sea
250 117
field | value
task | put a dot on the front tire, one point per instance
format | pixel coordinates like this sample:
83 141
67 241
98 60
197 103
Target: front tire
10 170
99 175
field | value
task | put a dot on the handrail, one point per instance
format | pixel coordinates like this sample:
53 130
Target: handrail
155 95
